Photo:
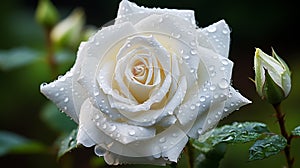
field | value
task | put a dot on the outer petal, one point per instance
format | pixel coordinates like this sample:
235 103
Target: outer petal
129 11
66 92
234 102
218 35
167 144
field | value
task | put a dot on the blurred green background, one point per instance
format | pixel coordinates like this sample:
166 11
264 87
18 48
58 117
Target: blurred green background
254 23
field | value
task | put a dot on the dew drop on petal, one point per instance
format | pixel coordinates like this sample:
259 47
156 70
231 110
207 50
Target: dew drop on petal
99 151
193 43
186 57
202 98
212 87
225 32
200 131
225 62
160 20
113 128
223 84
209 121
193 52
66 100
211 29
162 140
211 68
131 132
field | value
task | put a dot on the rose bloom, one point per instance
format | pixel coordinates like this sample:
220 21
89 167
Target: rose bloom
140 88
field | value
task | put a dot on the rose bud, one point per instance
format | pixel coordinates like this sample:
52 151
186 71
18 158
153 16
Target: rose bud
46 14
272 77
68 31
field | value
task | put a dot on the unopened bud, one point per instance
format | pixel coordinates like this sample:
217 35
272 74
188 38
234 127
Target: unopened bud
272 77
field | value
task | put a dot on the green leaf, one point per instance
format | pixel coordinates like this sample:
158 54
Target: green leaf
17 57
231 134
68 143
57 120
212 158
266 147
16 144
296 131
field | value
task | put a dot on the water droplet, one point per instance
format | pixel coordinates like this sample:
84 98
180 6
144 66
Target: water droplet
186 57
97 43
222 68
192 107
174 135
175 35
213 73
200 131
225 62
56 94
62 89
202 99
212 87
97 116
209 121
225 109
99 151
211 29
96 93
193 43
131 132
160 20
211 68
66 100
223 84
225 32
162 140
104 126
113 128
193 52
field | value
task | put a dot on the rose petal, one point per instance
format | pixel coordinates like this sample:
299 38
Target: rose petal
121 132
218 35
66 92
158 146
234 102
129 11
98 52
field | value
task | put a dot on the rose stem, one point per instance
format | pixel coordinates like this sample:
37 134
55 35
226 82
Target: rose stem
50 53
188 150
280 117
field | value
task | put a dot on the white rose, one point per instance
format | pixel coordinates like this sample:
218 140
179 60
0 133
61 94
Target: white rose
142 86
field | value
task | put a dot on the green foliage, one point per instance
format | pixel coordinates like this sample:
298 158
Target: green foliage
16 144
266 147
17 57
212 158
68 143
296 131
56 120
235 133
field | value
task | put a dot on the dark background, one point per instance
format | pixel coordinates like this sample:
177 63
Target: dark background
254 23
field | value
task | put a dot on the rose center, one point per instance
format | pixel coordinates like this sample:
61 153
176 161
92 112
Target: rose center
138 69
